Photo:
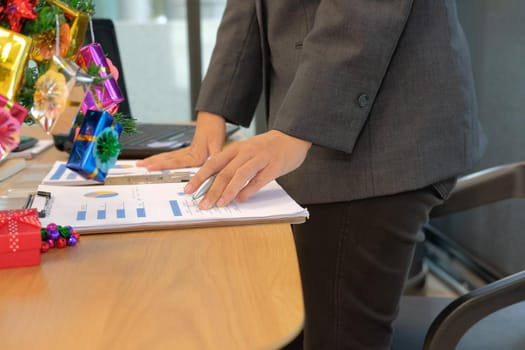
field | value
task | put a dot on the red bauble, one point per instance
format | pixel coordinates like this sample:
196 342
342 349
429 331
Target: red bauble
44 247
61 243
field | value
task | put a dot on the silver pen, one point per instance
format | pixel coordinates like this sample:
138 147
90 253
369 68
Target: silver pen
201 191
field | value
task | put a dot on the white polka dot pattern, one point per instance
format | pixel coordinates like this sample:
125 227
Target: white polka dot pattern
12 218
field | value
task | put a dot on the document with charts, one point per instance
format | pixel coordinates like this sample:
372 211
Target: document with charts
61 175
98 209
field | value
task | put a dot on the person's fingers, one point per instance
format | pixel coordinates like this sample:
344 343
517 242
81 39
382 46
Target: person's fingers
257 182
243 168
187 157
149 160
214 192
214 166
242 177
170 161
197 180
232 170
158 160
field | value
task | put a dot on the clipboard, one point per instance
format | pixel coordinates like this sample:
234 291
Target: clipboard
159 206
45 206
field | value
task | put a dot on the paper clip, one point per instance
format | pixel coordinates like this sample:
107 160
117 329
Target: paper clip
30 199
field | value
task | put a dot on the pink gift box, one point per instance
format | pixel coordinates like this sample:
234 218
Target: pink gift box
106 95
20 238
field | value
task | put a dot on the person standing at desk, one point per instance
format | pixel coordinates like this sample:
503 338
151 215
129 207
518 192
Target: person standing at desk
372 116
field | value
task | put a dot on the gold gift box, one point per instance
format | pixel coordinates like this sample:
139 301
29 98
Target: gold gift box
78 26
78 22
14 52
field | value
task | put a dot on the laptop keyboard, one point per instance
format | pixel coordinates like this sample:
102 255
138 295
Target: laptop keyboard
147 132
152 139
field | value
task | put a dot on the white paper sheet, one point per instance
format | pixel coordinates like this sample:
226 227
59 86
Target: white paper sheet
93 209
61 175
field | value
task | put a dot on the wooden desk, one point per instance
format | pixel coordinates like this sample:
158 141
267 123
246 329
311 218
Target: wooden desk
214 288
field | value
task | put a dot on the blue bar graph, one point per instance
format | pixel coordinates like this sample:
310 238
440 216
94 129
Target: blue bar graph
121 213
59 172
175 209
81 215
141 212
101 214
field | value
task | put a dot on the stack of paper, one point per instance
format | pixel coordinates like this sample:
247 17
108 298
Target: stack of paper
97 209
60 175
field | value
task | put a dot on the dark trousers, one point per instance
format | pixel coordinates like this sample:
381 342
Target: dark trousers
354 258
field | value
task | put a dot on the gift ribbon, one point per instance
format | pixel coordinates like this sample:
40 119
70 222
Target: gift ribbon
94 94
12 230
73 103
88 138
93 174
25 216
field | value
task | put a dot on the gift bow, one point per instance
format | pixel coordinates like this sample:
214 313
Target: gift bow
23 216
9 130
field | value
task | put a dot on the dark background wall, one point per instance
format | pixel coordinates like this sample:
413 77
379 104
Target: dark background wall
495 30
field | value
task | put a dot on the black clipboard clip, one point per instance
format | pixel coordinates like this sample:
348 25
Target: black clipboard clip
42 213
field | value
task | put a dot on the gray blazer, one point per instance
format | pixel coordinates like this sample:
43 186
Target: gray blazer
383 89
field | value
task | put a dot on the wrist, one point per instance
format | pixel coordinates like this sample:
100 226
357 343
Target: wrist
208 117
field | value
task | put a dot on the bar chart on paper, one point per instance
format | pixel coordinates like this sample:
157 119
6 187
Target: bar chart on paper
123 211
95 209
61 175
105 205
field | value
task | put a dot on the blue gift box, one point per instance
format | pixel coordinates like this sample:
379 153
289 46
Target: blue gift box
85 157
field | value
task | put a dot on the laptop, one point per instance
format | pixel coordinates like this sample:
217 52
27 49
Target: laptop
150 138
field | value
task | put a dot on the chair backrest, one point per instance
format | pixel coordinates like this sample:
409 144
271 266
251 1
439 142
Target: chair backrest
485 313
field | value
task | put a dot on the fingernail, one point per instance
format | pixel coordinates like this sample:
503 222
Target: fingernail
188 188
221 203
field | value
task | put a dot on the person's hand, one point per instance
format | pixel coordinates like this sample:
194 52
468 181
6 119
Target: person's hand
244 167
208 140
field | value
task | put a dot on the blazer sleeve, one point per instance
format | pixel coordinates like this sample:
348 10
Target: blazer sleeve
344 59
233 82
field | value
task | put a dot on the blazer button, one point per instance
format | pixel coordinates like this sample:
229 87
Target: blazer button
362 100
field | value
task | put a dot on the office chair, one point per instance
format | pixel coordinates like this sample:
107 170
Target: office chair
489 317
